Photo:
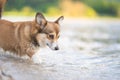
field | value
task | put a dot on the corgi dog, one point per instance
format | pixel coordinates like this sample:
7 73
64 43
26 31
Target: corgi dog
2 3
25 38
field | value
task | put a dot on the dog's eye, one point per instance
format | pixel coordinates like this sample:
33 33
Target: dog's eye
51 36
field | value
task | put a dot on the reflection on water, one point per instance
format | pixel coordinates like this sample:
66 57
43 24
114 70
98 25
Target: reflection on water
90 50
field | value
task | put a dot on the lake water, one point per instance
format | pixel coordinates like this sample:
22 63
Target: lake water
89 50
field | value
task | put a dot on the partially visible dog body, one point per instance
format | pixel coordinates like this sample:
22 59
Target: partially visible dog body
2 3
25 38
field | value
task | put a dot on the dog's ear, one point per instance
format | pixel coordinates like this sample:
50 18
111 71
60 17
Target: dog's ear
59 19
40 19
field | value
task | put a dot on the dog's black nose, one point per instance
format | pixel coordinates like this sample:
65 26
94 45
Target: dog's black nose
56 48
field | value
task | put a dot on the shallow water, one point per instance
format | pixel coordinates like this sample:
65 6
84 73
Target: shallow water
89 50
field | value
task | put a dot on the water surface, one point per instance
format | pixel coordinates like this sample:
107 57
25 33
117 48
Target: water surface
89 50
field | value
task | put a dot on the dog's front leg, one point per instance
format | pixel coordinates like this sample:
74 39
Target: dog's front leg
35 57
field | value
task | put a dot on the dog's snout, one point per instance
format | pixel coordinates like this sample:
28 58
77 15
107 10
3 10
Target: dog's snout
56 48
53 46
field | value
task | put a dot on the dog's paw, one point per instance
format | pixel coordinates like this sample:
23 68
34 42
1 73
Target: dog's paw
36 59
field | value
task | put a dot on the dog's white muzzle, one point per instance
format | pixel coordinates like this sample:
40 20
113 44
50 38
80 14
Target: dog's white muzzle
53 45
42 39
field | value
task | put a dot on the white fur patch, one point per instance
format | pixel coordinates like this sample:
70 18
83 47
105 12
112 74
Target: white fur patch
36 58
52 45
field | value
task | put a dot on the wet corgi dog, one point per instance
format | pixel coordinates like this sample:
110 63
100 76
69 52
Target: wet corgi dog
25 38
2 3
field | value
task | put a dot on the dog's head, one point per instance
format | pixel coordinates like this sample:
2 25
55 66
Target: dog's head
48 32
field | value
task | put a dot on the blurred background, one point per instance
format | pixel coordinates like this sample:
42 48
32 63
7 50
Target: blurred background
89 41
68 8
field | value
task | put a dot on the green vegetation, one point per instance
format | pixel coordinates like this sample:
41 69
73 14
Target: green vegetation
71 8
36 5
26 11
105 7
